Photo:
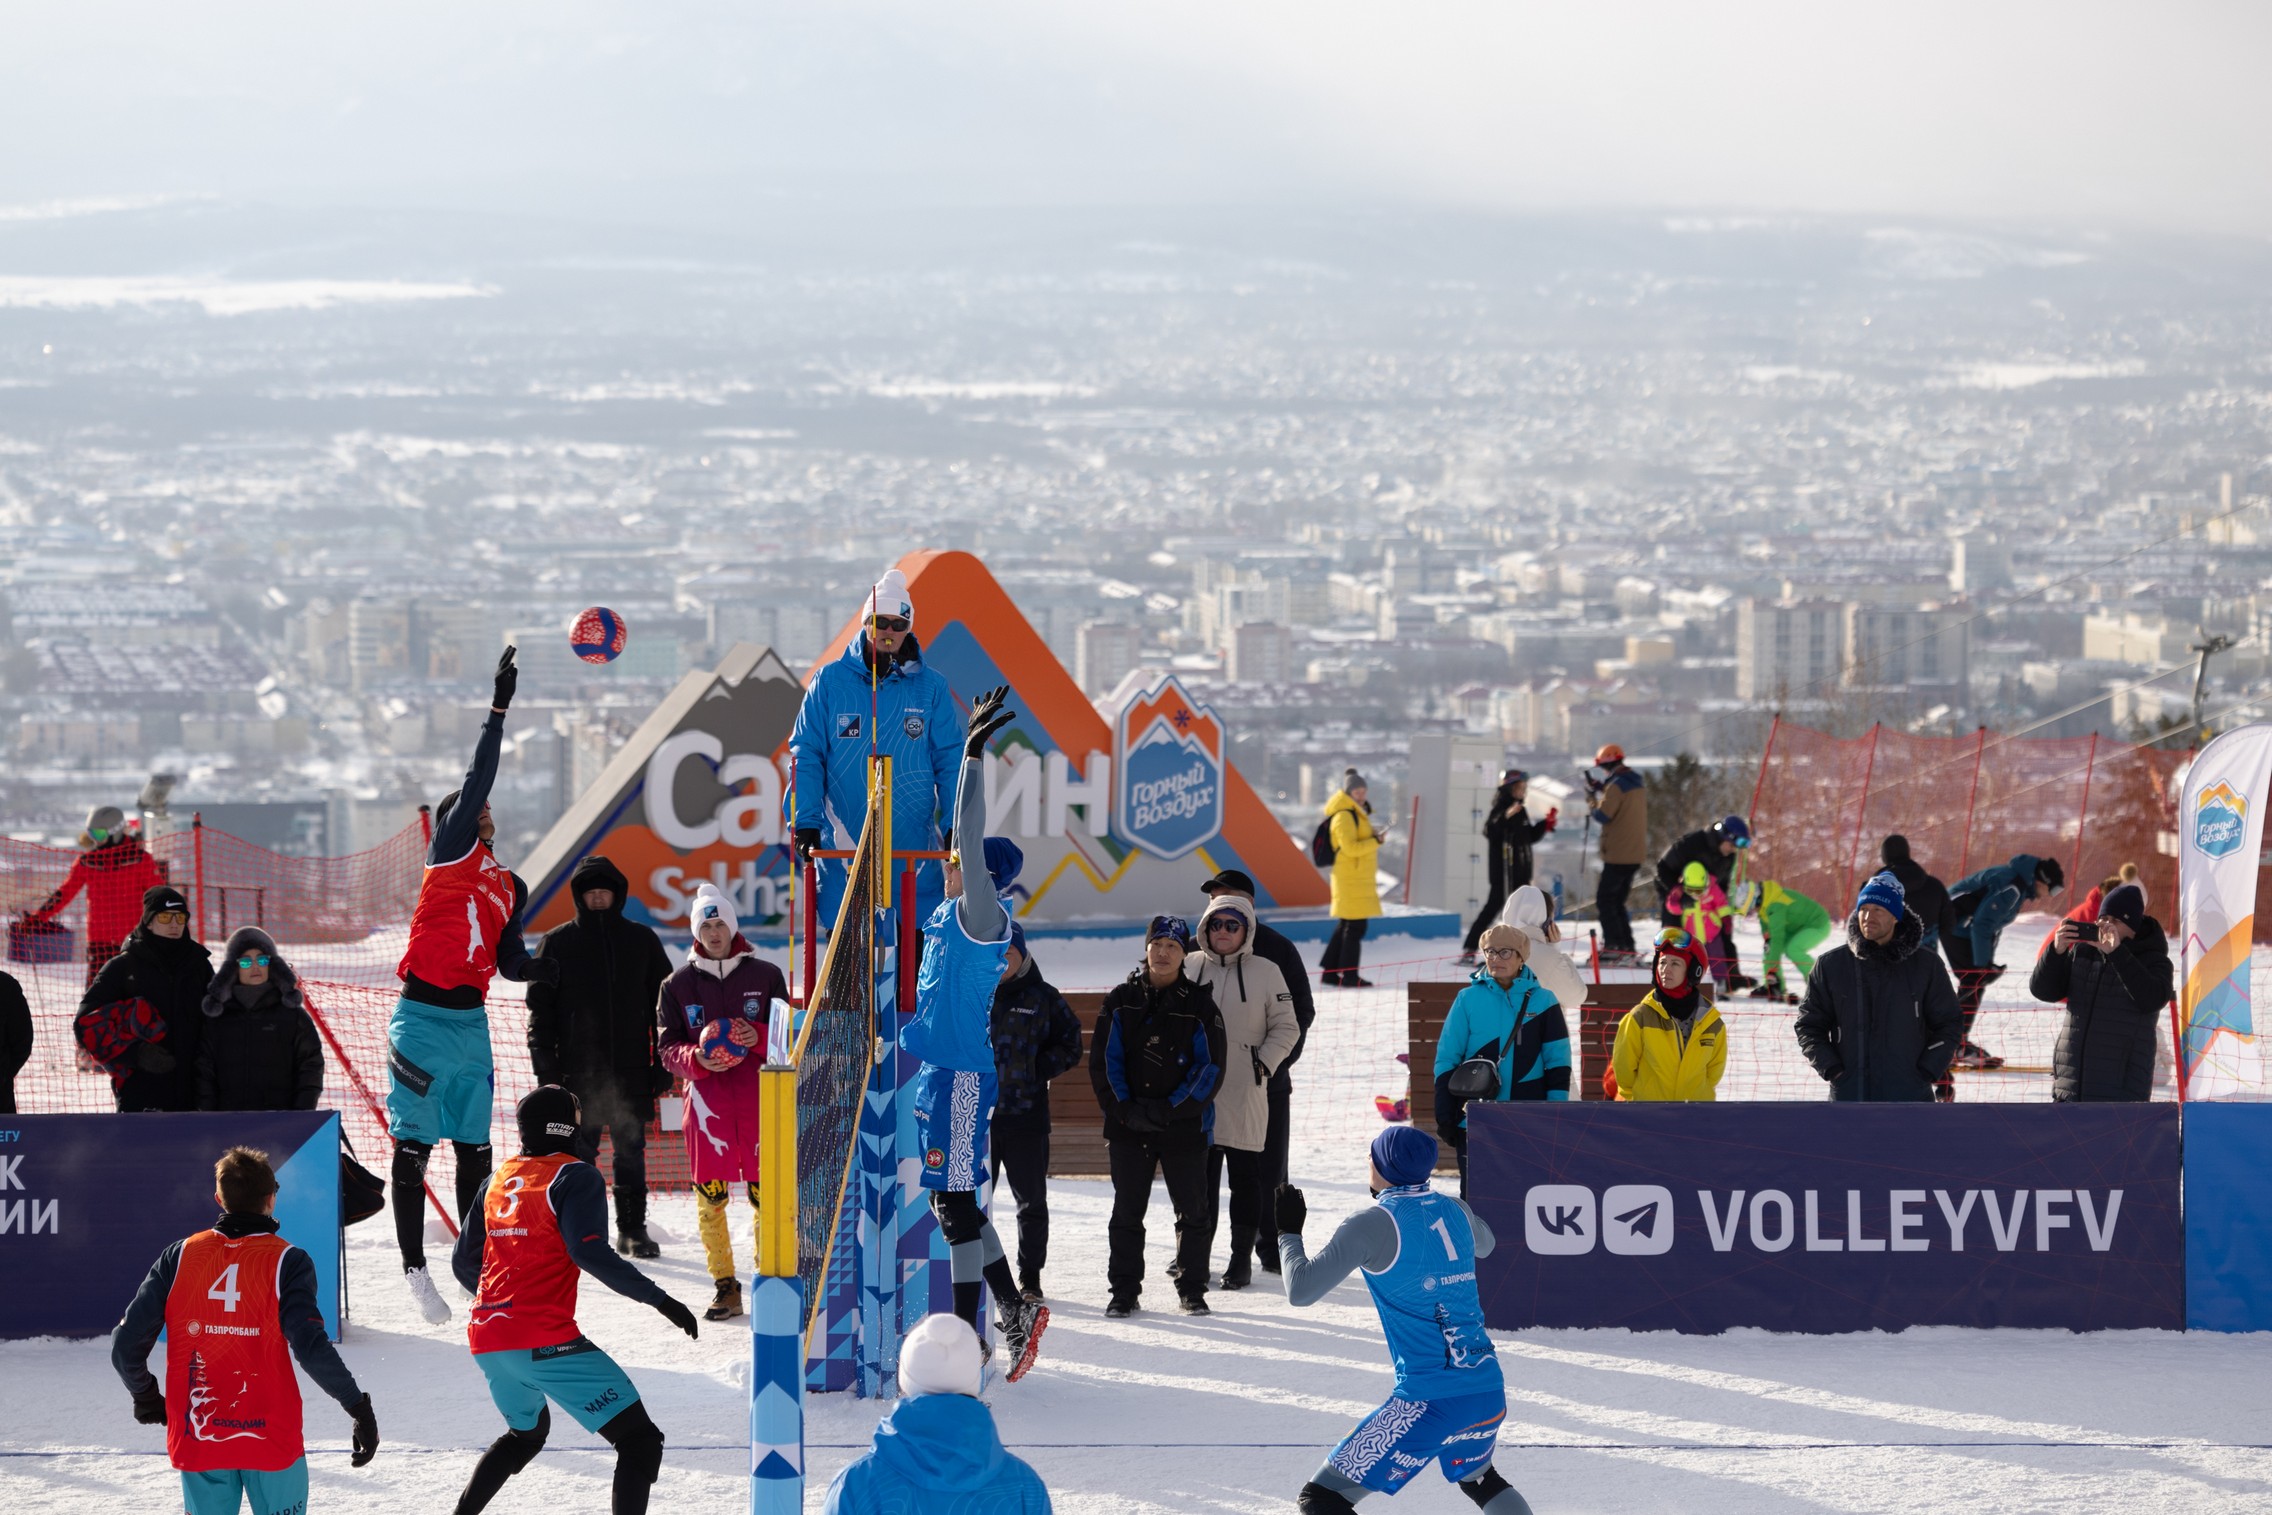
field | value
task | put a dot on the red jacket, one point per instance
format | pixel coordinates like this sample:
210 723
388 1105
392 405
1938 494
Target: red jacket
114 876
721 1106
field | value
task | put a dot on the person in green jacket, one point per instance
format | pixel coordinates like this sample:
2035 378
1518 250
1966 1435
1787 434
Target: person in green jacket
1793 926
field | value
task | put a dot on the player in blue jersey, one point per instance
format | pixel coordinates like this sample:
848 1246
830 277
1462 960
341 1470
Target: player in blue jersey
1417 1249
965 942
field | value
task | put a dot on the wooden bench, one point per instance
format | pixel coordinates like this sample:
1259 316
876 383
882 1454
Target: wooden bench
1426 1005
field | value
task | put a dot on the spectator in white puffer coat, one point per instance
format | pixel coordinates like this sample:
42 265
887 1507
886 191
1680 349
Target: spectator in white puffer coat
1259 1031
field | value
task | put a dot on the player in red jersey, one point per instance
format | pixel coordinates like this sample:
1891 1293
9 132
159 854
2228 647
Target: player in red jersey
237 1304
543 1219
465 930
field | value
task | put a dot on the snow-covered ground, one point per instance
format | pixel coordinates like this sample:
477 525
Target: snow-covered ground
1232 1413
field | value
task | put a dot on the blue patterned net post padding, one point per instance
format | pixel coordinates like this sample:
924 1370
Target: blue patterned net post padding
776 1405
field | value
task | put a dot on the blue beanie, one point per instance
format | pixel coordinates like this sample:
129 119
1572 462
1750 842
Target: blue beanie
1884 891
1404 1156
1003 862
1018 938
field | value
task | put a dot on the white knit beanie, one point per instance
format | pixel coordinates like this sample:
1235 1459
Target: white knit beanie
890 597
709 904
940 1356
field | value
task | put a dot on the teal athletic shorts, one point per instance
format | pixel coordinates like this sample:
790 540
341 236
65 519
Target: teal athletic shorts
576 1375
439 1077
226 1491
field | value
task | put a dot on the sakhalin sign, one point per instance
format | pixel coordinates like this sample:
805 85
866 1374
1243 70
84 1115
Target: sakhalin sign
1169 757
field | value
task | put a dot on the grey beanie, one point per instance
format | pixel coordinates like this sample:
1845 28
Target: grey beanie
108 819
1352 780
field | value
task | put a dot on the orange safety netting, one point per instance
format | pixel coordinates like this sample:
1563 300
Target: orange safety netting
1823 804
340 922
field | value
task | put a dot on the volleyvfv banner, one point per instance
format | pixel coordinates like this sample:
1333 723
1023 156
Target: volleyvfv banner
2220 838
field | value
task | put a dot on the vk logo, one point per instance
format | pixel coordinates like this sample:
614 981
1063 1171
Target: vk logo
1636 1220
1558 1219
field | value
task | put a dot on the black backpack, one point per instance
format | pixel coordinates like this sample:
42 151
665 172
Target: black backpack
1322 850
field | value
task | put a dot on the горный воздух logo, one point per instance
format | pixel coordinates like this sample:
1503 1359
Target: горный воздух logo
2220 820
1169 769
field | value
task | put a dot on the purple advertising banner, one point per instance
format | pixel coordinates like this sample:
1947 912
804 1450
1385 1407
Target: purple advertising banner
88 1201
1829 1217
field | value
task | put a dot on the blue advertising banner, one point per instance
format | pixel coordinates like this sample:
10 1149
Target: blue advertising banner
87 1202
1829 1217
2228 1217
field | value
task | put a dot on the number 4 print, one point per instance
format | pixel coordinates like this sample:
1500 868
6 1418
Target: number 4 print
225 1289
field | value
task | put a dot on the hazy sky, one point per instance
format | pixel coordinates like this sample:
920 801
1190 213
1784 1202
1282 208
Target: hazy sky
2148 112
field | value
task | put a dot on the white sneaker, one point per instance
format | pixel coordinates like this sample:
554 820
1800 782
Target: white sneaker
424 1295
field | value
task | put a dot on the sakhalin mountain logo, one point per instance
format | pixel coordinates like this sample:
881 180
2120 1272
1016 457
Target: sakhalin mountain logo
2220 820
1168 771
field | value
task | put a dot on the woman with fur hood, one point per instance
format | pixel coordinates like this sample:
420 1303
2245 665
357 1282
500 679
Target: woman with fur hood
259 1050
1259 1031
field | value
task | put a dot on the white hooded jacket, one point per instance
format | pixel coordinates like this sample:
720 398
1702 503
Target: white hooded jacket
1258 1020
1527 910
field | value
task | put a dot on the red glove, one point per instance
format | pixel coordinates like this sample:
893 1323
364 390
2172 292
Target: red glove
1553 817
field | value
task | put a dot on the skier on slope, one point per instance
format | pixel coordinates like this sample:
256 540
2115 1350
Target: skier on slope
1417 1249
965 943
465 930
541 1223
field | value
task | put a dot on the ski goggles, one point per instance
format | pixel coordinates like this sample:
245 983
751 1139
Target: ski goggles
1675 938
98 835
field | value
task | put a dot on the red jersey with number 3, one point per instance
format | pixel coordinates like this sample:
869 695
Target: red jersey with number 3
528 1280
231 1399
462 911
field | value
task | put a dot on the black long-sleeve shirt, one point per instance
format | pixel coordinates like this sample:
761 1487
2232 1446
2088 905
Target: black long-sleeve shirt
296 1312
579 1205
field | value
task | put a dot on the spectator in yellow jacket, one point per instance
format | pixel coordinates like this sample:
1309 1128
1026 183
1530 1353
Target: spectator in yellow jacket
1356 888
1671 1046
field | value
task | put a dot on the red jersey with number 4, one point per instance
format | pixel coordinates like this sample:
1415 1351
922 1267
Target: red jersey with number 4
462 911
231 1399
528 1280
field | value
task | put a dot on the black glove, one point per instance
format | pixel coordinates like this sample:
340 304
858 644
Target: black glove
679 1316
1293 1210
1142 1116
807 842
152 1058
366 1432
508 679
659 1080
150 1407
1261 1074
988 716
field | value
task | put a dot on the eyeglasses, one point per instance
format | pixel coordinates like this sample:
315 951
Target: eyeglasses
1223 924
1502 952
253 960
171 918
890 622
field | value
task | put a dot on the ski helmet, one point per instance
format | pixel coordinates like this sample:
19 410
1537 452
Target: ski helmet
1735 829
1610 753
548 1116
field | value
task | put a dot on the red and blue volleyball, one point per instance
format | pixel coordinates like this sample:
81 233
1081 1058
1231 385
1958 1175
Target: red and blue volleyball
718 1041
598 635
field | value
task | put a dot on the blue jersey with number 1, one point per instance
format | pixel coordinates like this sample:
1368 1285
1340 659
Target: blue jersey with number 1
1430 1311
